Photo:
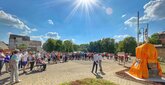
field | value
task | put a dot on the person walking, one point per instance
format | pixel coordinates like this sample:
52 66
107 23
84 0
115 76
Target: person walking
95 63
13 65
2 57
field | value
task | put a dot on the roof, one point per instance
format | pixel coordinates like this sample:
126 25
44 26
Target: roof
3 45
159 46
24 38
161 33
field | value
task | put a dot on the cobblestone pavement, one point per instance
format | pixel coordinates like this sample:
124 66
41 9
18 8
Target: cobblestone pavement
70 71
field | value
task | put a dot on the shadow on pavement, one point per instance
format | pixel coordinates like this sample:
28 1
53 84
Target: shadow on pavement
98 76
3 81
6 80
102 73
33 72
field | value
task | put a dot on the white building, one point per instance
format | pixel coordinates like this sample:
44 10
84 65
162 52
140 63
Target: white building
16 40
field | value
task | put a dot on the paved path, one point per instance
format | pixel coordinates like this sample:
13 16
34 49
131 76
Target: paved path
70 71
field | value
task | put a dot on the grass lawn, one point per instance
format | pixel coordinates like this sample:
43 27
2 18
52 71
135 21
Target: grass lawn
89 81
163 67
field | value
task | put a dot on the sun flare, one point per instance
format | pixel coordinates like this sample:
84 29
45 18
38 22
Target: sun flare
85 6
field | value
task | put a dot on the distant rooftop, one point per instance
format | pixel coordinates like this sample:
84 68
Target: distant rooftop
3 45
159 46
25 38
162 32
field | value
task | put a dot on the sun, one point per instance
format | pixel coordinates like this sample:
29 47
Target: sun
87 2
86 6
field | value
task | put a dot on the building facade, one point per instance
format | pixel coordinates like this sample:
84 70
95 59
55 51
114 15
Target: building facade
16 40
161 48
162 37
3 45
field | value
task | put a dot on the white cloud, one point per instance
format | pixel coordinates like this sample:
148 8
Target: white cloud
109 10
9 33
123 15
53 35
131 22
153 11
120 37
13 21
50 22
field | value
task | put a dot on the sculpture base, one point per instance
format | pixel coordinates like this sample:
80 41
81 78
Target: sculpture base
157 79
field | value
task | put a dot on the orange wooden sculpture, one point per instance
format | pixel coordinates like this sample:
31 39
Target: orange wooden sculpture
146 62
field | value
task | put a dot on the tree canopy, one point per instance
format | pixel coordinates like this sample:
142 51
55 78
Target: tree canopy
109 45
59 45
154 39
22 46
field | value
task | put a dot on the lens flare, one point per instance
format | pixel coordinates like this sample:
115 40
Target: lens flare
86 6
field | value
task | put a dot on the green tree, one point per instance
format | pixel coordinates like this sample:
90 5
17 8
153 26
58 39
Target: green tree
68 46
84 47
108 45
129 45
58 45
76 47
120 47
22 46
104 45
49 45
154 39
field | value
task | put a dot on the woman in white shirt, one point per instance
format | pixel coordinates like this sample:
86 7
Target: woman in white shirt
95 62
24 61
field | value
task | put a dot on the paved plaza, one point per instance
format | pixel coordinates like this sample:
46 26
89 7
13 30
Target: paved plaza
70 71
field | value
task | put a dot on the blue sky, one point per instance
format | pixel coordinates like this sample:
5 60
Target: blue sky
91 20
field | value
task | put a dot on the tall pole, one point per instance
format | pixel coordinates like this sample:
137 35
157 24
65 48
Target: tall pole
146 34
143 35
138 28
147 29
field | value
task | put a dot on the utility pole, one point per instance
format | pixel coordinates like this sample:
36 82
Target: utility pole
138 28
147 29
143 35
146 34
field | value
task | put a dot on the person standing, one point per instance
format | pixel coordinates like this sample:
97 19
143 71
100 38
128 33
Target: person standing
53 56
24 61
13 65
7 59
20 53
63 57
31 59
95 63
100 62
48 57
2 57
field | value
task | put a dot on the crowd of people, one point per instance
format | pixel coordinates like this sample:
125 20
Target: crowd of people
17 60
21 60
